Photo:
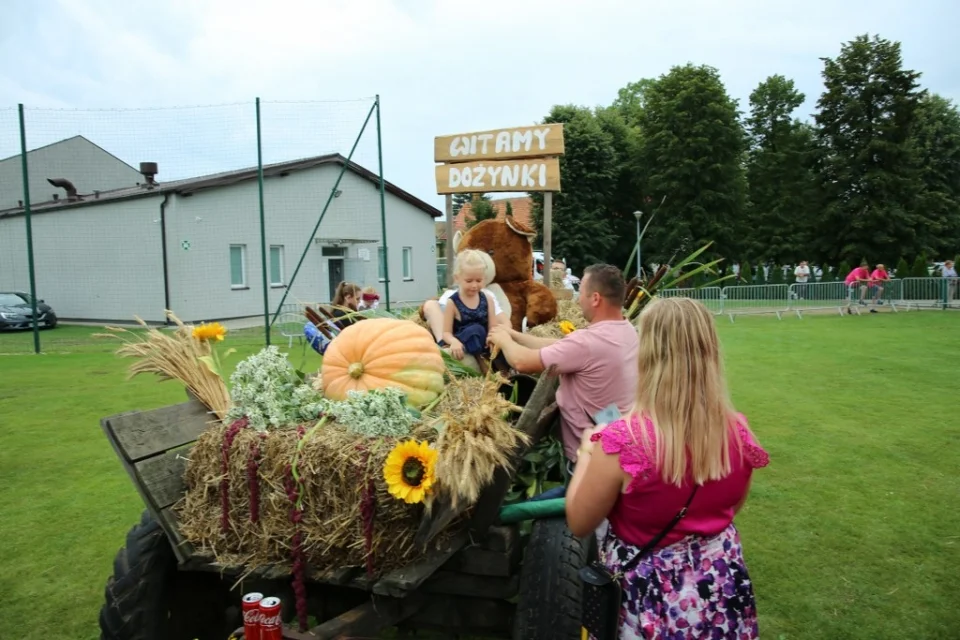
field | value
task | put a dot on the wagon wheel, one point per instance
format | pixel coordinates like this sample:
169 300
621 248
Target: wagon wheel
550 587
147 598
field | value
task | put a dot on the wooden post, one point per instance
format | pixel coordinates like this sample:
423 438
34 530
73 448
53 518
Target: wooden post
547 236
450 233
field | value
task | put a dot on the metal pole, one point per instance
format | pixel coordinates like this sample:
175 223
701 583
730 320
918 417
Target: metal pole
263 232
383 214
26 211
333 191
547 236
450 233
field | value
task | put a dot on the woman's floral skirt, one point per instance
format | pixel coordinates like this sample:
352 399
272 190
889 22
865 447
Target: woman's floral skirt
695 588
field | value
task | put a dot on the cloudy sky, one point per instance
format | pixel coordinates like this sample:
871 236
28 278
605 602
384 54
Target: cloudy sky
111 69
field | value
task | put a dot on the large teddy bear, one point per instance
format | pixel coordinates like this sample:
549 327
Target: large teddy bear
509 245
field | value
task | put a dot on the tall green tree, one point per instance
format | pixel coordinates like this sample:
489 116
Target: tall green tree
779 173
460 199
588 177
626 195
691 151
481 209
867 172
936 142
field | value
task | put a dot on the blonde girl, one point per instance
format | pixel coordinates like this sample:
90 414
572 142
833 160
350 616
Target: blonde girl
679 466
468 315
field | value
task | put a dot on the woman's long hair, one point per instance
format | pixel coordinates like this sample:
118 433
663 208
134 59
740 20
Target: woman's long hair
345 289
683 392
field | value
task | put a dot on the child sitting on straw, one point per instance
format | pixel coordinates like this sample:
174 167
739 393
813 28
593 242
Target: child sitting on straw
467 317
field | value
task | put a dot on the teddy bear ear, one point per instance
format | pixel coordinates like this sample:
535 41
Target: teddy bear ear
522 229
457 237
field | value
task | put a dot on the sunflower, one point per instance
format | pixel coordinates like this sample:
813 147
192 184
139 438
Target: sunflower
566 327
212 331
409 470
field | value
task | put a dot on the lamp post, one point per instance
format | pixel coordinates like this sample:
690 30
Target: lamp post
638 215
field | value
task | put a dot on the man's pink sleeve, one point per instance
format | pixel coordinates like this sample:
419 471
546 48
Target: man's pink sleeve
568 354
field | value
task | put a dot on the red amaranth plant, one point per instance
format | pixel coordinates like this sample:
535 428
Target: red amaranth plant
253 480
294 488
368 510
228 437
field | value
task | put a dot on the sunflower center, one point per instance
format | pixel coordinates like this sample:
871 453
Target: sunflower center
413 472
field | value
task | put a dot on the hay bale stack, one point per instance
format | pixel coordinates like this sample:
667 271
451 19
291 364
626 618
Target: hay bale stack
470 429
567 310
335 466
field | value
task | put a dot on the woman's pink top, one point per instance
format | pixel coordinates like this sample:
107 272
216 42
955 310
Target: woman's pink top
649 504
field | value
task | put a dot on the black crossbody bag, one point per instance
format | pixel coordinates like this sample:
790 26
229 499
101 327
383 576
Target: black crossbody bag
602 598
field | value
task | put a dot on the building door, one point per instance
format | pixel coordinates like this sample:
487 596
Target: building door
335 269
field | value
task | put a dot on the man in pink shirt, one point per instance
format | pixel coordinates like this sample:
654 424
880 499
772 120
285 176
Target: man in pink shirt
877 278
859 276
597 365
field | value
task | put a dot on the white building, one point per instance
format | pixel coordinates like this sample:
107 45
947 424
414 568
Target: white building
193 246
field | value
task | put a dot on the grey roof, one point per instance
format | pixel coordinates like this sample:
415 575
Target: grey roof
226 178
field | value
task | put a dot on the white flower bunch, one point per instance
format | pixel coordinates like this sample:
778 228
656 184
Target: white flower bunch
374 413
267 390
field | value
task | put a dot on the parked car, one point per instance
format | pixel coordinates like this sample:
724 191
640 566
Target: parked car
16 312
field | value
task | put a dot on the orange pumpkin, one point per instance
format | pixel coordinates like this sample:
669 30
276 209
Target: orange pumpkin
384 352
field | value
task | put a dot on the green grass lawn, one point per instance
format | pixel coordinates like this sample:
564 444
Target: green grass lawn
853 531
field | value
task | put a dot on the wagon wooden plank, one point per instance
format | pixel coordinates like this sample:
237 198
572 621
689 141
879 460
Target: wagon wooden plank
162 477
369 618
451 583
143 434
402 581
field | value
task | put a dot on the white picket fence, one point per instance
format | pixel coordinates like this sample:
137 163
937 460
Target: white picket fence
779 299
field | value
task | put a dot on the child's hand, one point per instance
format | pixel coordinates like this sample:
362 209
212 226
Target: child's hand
456 349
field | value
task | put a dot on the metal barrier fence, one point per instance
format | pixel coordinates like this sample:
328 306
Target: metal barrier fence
755 298
931 293
916 293
711 297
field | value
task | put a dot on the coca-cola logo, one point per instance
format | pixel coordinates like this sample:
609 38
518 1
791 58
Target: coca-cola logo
256 616
270 622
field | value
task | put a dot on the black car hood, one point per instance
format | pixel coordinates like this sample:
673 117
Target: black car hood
24 309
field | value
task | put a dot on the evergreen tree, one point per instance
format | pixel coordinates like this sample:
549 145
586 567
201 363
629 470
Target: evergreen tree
842 270
481 209
920 267
779 171
588 174
866 165
903 269
936 141
691 151
746 274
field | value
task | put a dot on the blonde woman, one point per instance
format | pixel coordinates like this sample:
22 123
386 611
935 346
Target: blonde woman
682 444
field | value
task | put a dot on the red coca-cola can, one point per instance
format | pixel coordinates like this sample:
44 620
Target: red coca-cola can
271 627
251 616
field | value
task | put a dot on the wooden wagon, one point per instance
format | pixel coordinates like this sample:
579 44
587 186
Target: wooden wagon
486 580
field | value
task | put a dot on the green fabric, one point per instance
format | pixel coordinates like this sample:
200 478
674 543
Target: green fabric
540 509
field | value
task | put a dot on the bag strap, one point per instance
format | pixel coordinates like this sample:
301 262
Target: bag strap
647 548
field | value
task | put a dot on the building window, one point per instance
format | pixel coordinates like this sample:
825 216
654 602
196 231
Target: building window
276 265
408 263
382 263
238 266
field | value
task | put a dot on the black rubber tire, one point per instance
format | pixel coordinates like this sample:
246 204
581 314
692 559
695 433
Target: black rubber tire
550 589
147 598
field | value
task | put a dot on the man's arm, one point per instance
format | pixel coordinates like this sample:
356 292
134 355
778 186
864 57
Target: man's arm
531 342
521 358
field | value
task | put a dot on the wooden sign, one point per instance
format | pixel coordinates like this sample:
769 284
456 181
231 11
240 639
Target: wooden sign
500 144
541 174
